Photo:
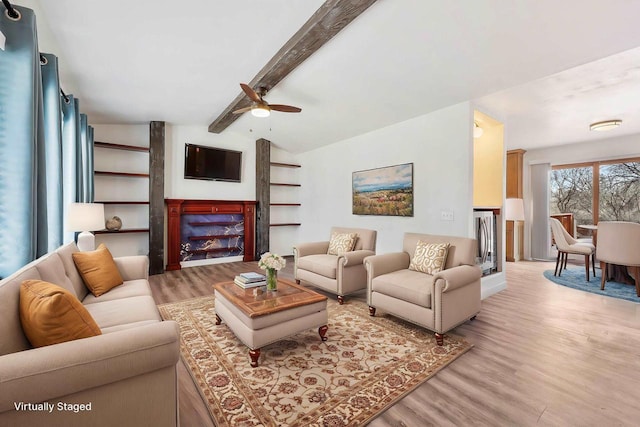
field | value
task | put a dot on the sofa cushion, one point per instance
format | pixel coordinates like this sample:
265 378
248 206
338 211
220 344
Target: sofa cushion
52 270
407 285
65 253
123 311
341 243
322 264
429 258
51 314
98 270
12 337
130 288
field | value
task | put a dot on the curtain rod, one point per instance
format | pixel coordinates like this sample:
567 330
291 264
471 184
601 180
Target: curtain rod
10 10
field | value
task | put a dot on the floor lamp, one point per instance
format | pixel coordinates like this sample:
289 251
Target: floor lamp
514 215
85 217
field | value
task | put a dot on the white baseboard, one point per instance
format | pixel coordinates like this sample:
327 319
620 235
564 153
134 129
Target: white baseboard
209 261
492 284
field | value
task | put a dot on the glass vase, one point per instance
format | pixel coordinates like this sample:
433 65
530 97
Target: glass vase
272 279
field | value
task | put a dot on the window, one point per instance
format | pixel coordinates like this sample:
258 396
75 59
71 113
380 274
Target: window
597 191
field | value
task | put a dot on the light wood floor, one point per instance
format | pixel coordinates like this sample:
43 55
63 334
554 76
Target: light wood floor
544 355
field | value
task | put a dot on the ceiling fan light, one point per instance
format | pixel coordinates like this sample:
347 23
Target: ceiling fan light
477 130
260 111
605 125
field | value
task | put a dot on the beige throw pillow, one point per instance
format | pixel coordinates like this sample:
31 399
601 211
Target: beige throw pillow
98 270
341 243
50 314
429 258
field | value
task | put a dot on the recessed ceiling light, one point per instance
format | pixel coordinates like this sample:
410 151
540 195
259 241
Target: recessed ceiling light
605 125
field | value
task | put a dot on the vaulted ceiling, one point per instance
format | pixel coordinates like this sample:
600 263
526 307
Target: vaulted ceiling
549 68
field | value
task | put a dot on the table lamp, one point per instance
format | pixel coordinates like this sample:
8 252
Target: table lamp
85 217
514 210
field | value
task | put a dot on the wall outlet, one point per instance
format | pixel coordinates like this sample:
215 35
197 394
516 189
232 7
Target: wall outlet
446 215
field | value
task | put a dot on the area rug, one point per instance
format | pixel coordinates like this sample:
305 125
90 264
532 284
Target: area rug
366 365
575 278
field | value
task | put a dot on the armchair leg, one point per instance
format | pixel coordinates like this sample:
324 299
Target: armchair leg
340 299
439 339
372 311
555 272
603 271
566 256
593 263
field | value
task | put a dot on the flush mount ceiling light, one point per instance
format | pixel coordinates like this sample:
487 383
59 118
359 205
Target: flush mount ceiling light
477 130
605 125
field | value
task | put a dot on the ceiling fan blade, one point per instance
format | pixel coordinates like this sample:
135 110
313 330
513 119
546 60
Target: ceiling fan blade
285 108
242 110
250 93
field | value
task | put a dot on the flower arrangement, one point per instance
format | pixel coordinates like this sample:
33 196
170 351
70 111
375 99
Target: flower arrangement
271 263
269 260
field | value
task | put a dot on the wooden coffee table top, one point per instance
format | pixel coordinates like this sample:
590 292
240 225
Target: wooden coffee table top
260 302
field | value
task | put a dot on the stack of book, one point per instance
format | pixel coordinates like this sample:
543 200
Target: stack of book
250 280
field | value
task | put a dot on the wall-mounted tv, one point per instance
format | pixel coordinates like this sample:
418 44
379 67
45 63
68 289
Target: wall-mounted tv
211 163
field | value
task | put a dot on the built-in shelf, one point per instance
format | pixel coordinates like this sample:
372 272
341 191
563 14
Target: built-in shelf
285 204
123 231
284 184
129 174
287 224
215 236
284 165
122 202
120 146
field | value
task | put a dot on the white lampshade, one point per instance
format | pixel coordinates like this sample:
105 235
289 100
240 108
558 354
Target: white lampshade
477 130
85 217
514 210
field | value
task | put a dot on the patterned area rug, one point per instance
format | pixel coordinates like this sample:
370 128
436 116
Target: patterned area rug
576 278
366 365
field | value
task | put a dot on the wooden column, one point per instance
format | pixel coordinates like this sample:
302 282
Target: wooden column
156 197
263 195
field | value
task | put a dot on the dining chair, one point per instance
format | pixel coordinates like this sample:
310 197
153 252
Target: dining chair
619 243
566 245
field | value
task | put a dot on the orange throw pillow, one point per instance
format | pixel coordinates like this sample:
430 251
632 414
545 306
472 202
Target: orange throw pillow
50 314
98 270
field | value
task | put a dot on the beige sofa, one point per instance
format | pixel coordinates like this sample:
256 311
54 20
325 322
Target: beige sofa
438 302
127 375
339 274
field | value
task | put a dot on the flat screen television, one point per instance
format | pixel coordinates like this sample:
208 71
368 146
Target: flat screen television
211 163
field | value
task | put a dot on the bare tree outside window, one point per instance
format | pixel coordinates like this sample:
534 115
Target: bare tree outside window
620 192
572 192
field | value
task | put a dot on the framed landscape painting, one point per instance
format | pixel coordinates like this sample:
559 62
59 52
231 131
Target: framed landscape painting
383 191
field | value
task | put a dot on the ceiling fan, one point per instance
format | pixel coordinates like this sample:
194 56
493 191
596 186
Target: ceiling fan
260 107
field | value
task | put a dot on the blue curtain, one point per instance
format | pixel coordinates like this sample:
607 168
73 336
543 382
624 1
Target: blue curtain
46 148
20 136
70 157
53 149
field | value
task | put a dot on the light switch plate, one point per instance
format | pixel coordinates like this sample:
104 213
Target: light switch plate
446 215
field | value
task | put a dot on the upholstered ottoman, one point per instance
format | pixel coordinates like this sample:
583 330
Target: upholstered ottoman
259 318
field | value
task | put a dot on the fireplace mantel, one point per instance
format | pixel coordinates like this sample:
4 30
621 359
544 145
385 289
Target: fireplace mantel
176 208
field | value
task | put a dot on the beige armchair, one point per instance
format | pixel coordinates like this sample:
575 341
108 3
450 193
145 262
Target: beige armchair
438 302
566 245
619 243
339 274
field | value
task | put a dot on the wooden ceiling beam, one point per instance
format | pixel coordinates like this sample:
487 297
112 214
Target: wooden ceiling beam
325 23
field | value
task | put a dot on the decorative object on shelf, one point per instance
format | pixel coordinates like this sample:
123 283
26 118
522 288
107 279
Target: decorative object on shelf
271 263
383 191
85 217
113 224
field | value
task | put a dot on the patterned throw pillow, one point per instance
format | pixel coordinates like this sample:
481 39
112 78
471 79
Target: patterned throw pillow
341 243
429 257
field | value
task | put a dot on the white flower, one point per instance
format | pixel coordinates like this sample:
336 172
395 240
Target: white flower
269 260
